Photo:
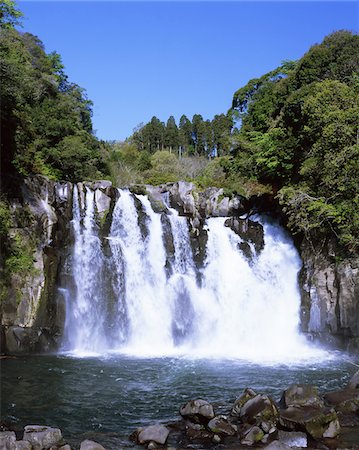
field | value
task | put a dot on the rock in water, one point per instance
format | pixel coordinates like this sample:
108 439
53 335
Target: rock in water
42 437
90 445
153 433
198 411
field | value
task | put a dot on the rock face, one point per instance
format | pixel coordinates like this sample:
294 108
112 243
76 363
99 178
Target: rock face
330 297
32 310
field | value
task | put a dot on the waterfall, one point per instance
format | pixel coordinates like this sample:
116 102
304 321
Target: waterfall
147 298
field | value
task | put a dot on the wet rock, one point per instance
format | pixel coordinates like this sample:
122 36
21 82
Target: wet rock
102 202
202 435
252 436
7 440
153 433
317 422
20 340
42 437
25 445
301 395
277 445
90 445
199 411
248 230
293 438
220 425
354 381
256 409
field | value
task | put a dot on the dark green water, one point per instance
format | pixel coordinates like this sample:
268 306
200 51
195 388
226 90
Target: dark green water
106 399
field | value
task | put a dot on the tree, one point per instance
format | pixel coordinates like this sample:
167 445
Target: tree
171 137
9 15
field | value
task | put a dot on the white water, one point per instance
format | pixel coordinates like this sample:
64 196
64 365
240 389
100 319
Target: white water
162 304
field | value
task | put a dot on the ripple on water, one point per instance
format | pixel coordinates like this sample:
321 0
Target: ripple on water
109 397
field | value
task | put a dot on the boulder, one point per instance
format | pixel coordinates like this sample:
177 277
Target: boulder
102 202
220 425
7 440
316 422
301 395
256 409
65 447
90 445
153 433
198 411
42 437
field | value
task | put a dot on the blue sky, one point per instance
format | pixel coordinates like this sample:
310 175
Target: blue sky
140 59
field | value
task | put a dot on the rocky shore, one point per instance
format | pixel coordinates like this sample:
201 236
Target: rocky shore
303 418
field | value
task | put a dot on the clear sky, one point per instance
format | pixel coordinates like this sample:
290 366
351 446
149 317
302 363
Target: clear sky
140 59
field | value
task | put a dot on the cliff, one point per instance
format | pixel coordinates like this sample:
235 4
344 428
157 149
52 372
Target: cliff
33 309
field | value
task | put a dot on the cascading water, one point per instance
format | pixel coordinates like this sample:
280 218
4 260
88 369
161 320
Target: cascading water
160 303
86 317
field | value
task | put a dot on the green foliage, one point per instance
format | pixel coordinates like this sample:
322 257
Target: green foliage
21 256
5 219
43 116
300 134
9 15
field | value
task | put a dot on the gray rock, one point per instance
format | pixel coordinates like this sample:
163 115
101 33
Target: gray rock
248 230
277 445
90 445
301 395
199 411
293 438
220 425
42 437
153 433
65 447
102 202
23 445
252 436
316 422
7 440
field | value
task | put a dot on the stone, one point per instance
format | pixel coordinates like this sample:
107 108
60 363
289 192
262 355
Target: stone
65 447
216 439
293 438
354 381
301 395
256 409
252 436
155 433
315 421
7 440
42 437
277 445
220 425
248 230
23 445
102 202
345 401
199 411
90 445
152 445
